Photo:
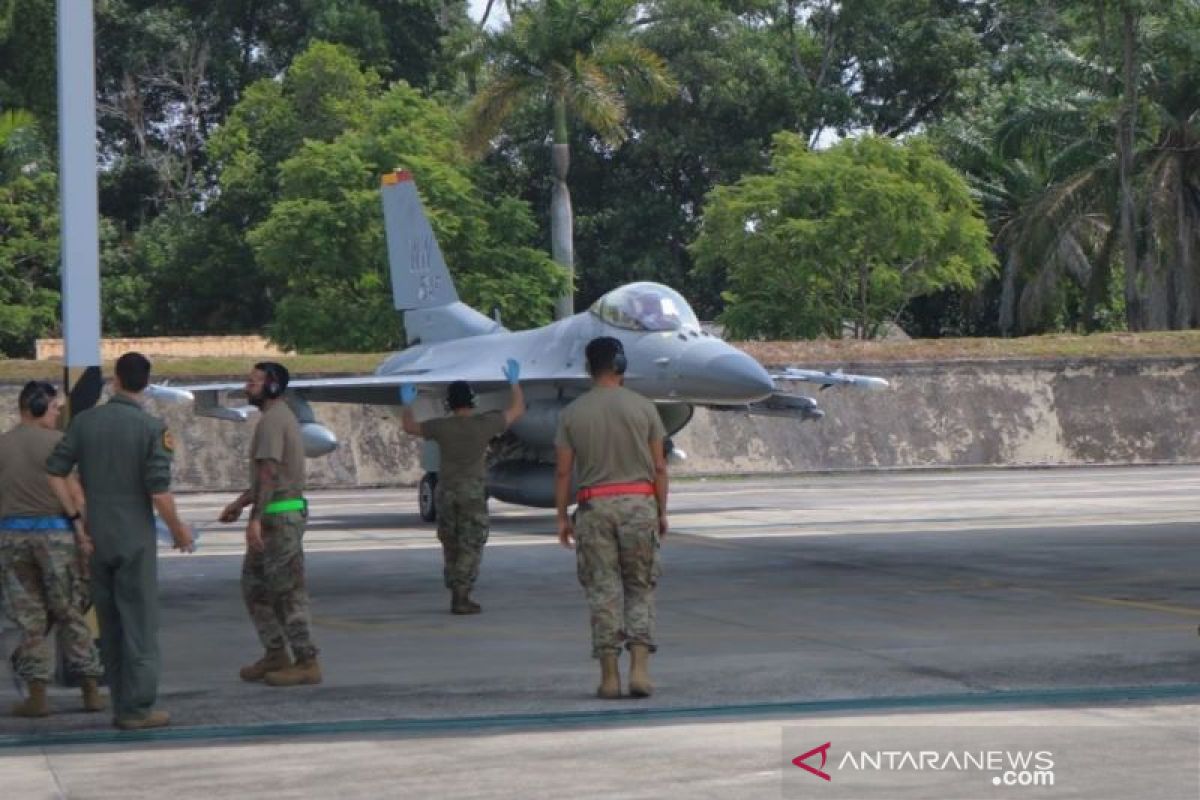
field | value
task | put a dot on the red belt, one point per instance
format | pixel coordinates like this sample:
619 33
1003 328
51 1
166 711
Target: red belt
614 489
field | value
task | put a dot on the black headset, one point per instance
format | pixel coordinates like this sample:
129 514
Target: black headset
620 362
37 396
277 379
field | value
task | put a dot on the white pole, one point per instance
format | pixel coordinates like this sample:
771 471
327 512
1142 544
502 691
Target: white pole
78 201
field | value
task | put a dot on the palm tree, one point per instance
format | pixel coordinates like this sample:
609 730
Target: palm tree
1046 183
574 58
1167 169
20 146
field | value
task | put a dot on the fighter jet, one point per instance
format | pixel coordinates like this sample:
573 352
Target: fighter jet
672 360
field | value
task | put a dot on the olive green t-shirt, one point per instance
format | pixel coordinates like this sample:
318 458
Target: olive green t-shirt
462 442
24 484
277 438
610 429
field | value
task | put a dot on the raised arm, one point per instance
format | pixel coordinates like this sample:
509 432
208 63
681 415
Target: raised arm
408 393
516 404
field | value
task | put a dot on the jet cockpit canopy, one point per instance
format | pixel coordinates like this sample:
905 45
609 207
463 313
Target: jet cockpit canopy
646 306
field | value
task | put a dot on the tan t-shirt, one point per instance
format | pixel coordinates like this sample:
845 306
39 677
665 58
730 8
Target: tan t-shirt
277 438
610 429
463 442
24 482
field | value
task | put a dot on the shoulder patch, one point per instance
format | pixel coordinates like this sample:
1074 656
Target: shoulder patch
168 441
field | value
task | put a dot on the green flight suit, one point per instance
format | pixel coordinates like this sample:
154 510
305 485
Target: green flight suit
124 457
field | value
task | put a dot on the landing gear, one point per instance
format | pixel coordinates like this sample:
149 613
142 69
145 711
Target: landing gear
425 491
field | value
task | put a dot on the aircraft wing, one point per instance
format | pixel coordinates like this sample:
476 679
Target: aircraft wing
360 389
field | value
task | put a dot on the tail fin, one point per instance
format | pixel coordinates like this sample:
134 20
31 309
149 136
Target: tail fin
421 285
419 275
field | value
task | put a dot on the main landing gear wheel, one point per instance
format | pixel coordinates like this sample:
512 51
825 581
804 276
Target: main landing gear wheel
425 490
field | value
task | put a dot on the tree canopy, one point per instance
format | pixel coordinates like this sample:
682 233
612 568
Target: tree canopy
842 237
241 144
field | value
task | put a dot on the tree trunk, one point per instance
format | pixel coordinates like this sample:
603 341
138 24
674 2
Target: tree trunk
1008 295
562 221
1183 269
1134 313
1156 297
1097 288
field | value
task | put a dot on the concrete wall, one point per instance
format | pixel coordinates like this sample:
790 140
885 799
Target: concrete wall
959 414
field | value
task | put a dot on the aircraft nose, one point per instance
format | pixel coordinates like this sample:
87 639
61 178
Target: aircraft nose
736 377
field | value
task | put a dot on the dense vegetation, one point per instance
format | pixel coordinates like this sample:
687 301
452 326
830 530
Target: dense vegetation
797 168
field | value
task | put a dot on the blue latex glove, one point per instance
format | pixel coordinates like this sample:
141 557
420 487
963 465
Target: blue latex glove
512 371
408 393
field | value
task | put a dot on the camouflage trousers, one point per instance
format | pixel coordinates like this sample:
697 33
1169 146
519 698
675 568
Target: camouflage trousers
462 529
273 586
44 586
616 557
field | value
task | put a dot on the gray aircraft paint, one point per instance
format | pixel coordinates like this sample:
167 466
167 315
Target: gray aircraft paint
671 361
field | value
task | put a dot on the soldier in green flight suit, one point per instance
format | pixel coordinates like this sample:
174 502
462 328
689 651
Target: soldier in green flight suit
124 459
461 494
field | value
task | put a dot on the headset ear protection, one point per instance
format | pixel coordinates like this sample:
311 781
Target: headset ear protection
620 363
274 386
39 402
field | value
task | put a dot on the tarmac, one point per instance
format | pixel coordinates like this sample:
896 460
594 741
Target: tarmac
1052 598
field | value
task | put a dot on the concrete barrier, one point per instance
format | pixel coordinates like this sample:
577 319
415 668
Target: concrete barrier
935 415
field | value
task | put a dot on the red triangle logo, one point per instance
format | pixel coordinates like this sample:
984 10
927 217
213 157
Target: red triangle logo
800 759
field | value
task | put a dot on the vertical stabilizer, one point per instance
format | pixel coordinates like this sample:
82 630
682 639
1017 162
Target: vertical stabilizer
421 284
419 275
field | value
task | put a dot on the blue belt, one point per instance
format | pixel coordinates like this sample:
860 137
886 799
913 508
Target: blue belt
35 524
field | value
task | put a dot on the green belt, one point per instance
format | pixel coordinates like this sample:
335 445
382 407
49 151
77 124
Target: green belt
284 506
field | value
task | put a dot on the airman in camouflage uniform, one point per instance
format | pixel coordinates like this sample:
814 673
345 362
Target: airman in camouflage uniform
273 584
42 567
610 440
124 458
461 494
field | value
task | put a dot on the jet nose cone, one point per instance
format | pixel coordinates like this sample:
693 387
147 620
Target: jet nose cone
736 378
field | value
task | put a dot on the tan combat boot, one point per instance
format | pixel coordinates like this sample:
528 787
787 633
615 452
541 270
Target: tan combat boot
272 661
36 704
639 671
610 677
155 719
92 699
305 672
461 602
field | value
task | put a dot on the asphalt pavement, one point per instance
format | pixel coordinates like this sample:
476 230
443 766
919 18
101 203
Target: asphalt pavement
947 598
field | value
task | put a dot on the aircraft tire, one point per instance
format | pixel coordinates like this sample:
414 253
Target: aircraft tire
425 492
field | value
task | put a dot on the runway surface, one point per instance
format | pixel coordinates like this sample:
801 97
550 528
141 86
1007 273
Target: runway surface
1061 594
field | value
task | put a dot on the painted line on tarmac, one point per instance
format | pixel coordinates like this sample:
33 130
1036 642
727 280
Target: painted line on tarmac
1141 605
627 717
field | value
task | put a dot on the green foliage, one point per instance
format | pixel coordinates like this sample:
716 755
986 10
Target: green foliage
850 234
29 298
574 60
320 242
